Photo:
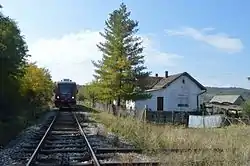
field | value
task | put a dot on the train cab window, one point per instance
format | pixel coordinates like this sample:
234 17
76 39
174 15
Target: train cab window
65 88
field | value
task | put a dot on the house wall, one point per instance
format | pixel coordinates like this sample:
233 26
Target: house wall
172 97
239 101
131 104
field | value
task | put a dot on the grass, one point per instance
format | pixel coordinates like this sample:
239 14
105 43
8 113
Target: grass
152 137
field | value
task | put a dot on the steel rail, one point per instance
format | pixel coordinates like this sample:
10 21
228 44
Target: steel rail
41 142
95 160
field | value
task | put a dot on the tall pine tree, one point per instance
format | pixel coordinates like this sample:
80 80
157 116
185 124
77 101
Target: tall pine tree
122 64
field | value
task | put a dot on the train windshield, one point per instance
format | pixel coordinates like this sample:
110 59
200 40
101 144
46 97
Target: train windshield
66 88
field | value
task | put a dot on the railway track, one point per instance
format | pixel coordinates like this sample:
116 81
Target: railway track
65 143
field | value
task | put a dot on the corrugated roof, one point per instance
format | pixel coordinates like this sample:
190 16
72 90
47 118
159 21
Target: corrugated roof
224 99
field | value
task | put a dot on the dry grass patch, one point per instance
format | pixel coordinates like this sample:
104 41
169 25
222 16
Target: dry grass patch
226 158
151 137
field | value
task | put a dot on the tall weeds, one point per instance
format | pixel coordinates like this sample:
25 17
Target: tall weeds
151 137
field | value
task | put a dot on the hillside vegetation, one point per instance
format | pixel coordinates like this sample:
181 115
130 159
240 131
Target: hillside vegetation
212 91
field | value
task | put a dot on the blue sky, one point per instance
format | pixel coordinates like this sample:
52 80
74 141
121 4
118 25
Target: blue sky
208 39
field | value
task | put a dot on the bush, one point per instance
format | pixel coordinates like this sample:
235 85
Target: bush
246 108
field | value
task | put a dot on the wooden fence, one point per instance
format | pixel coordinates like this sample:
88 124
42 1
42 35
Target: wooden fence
163 117
160 117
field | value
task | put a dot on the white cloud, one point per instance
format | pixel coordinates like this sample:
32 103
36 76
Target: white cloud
70 56
218 40
156 58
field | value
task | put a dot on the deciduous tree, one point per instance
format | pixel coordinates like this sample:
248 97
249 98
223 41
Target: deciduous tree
90 92
36 85
37 81
13 54
19 81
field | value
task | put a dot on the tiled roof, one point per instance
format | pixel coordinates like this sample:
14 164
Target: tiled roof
165 81
154 83
149 82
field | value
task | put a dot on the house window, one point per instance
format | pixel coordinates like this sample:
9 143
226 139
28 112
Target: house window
183 81
160 103
183 101
183 105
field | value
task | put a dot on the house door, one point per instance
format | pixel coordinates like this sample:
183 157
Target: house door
159 103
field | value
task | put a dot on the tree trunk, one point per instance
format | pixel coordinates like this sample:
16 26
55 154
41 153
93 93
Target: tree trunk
120 87
119 101
93 103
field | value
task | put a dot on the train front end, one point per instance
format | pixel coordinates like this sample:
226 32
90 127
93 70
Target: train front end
65 95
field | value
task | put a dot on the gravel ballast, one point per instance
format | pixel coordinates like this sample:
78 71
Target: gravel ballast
100 138
96 133
13 150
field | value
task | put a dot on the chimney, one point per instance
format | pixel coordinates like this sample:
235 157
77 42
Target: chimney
156 75
166 74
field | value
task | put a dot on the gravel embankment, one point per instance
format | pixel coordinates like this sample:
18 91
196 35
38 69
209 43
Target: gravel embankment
96 133
13 150
99 137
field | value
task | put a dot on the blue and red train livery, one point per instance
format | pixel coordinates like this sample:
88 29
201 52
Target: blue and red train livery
65 94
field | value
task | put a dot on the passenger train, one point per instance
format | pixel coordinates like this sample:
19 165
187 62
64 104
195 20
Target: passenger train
65 94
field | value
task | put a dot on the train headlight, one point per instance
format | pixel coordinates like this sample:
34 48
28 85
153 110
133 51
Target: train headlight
73 97
57 97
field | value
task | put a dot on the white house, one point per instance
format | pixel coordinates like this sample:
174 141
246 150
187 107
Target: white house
179 92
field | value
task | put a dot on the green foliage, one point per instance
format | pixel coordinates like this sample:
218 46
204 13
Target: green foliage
13 54
80 95
246 108
36 85
24 88
122 63
90 92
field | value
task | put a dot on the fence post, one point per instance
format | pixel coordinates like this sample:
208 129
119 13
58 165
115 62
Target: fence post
173 117
187 119
145 113
203 119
